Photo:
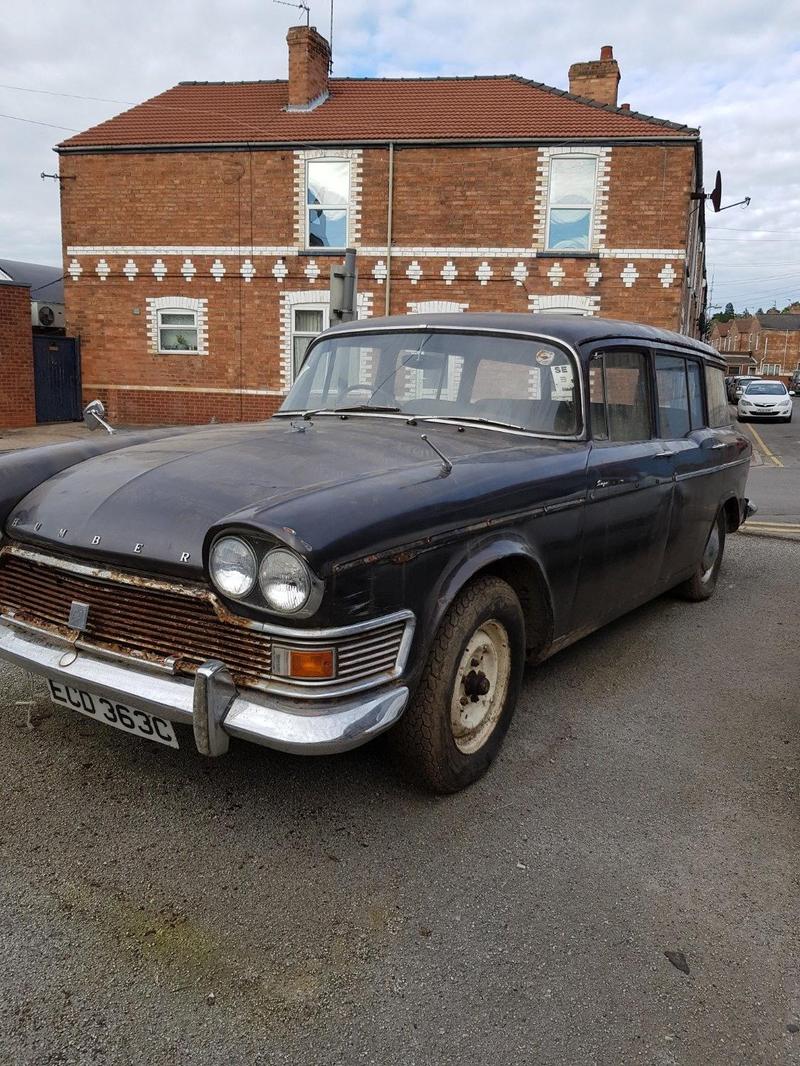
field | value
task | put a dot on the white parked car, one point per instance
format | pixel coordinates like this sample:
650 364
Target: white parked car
765 399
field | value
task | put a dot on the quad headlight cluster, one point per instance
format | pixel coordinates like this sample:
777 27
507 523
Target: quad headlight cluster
283 578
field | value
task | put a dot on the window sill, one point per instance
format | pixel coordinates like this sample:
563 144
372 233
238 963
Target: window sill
566 254
321 252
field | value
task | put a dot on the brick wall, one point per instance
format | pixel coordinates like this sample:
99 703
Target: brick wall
17 405
466 229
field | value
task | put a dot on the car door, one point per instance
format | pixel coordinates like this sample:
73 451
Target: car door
694 452
629 490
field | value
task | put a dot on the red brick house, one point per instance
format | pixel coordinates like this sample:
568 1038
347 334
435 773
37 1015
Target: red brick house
770 340
198 226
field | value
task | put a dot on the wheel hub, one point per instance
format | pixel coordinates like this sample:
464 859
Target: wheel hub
481 683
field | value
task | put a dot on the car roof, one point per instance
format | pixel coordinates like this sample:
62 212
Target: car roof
573 329
767 381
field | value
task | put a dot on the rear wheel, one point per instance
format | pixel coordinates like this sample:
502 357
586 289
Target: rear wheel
700 586
466 698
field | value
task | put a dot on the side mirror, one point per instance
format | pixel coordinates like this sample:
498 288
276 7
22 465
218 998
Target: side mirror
94 417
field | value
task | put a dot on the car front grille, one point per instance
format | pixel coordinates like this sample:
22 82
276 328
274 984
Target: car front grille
180 626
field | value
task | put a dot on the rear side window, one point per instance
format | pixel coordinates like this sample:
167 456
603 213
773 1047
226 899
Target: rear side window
696 413
619 397
718 410
673 396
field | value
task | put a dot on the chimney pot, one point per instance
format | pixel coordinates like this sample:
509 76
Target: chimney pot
598 79
624 107
309 67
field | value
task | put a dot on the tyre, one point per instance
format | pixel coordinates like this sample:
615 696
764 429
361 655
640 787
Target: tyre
700 586
463 706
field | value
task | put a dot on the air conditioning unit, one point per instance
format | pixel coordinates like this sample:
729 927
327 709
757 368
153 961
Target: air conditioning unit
49 316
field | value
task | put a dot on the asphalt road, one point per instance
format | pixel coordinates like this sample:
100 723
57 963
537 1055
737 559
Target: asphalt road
774 482
158 908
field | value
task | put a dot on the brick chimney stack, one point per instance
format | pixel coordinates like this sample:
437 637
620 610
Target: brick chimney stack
309 68
597 80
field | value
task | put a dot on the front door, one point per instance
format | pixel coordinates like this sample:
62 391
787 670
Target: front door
57 378
629 491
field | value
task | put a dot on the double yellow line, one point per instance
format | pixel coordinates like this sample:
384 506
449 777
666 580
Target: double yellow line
783 530
762 446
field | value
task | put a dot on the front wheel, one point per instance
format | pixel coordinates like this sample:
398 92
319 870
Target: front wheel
700 586
466 698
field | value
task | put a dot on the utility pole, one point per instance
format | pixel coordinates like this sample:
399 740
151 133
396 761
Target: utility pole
344 281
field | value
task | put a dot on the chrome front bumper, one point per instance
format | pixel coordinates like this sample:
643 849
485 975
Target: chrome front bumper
211 704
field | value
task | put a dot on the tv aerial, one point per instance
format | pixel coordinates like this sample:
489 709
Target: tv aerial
715 196
301 6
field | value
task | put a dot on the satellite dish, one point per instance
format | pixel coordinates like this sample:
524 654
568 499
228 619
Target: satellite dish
716 194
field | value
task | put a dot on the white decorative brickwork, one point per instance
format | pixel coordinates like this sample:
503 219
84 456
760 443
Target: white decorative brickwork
593 273
667 275
130 270
102 270
188 269
484 273
280 271
449 272
354 155
379 272
185 303
629 275
419 251
74 269
414 271
519 273
217 270
556 273
600 208
312 271
436 307
564 304
247 270
159 269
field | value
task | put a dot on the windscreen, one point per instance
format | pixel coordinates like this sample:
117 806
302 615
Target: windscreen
765 388
523 383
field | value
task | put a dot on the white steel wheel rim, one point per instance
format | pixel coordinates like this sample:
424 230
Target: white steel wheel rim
481 685
711 554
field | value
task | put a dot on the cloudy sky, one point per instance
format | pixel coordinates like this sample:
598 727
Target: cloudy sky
731 67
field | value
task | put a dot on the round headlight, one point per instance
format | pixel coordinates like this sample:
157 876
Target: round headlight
285 581
233 567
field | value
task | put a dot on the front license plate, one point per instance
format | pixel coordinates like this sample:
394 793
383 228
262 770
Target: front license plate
140 723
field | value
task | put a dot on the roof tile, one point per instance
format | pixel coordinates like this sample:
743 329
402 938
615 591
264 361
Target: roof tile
360 110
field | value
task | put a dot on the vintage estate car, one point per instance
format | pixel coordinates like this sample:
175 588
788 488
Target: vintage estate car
438 499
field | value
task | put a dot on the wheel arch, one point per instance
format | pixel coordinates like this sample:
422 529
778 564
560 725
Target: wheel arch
514 562
732 513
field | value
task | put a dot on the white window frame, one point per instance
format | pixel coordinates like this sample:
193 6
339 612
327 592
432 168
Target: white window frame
347 208
161 326
554 159
771 368
294 332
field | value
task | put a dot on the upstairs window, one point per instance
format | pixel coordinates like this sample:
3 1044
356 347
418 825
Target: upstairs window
177 331
328 199
570 208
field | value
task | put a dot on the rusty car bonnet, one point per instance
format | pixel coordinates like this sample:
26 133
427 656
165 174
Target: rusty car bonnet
156 501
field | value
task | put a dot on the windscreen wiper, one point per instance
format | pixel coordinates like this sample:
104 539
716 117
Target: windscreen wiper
463 418
308 415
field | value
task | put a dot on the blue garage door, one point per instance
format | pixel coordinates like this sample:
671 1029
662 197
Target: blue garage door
57 376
